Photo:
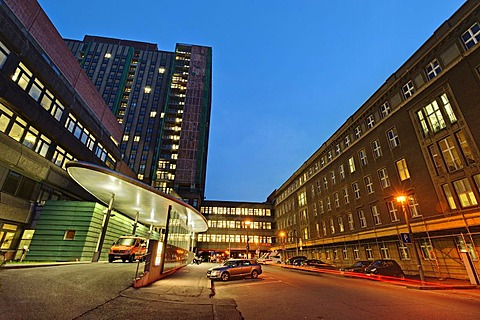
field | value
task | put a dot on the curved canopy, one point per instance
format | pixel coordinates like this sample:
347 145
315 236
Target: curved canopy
132 196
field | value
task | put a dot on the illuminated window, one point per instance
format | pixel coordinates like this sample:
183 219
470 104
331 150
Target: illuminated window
351 164
450 154
402 169
351 224
161 70
107 55
449 196
465 193
147 89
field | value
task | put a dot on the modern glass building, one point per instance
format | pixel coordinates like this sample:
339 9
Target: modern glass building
163 101
408 158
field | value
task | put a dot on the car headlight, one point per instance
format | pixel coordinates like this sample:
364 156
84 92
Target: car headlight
215 273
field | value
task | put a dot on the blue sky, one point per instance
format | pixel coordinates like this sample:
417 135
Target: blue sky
286 74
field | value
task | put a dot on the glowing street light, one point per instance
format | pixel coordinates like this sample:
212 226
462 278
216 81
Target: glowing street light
402 200
282 236
247 224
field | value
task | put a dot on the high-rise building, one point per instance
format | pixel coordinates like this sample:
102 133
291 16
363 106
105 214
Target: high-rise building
163 101
400 179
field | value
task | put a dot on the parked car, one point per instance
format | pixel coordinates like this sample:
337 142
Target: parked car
235 268
317 264
358 266
270 257
128 248
385 268
296 260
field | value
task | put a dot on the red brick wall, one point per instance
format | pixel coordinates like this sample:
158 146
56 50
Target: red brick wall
41 28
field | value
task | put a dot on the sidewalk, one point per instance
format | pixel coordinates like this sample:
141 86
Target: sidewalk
186 294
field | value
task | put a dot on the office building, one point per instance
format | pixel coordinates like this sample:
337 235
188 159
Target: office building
50 113
163 101
408 157
236 229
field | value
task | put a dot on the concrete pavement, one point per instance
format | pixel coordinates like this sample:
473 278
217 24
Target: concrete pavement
186 294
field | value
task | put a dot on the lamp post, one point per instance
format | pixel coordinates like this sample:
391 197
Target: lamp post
282 240
402 199
296 241
247 224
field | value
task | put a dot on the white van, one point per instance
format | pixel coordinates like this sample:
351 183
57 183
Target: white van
270 258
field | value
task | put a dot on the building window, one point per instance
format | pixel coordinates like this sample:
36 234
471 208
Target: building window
370 121
337 149
449 196
465 147
341 227
465 193
302 199
22 76
347 141
392 210
368 184
4 53
351 164
433 69
377 150
384 110
408 89
384 251
427 249
329 204
321 208
356 190
325 183
69 235
362 155
332 226
392 136
341 172
345 195
358 132
413 206
356 253
450 154
403 251
402 169
362 218
383 176
332 177
351 224
324 228
471 36
376 215
369 252
336 199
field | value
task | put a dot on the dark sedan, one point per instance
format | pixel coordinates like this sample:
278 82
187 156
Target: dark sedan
317 264
385 268
358 266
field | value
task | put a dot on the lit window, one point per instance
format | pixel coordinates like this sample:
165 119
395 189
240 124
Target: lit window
450 154
108 55
465 193
449 197
471 36
161 70
351 224
351 164
402 169
341 227
147 89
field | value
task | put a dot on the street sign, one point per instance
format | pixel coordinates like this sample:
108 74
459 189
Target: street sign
406 238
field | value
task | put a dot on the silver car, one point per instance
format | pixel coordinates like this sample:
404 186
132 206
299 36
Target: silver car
235 268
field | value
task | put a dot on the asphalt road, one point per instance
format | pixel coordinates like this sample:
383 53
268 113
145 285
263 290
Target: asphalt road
102 291
61 292
288 294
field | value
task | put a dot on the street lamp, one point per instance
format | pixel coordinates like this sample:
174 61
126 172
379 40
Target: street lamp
247 224
282 235
402 200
